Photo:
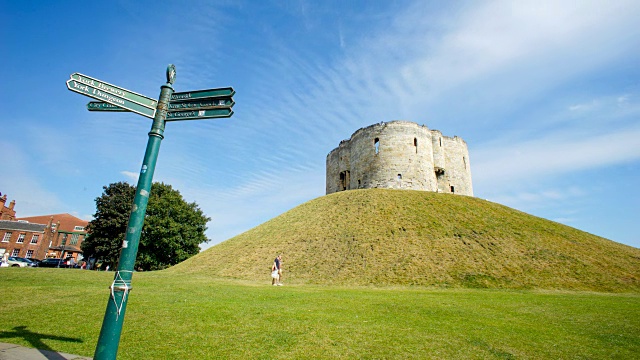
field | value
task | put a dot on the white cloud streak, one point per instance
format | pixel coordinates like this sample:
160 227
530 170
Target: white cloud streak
552 155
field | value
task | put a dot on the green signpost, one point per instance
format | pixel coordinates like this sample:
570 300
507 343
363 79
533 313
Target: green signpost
110 95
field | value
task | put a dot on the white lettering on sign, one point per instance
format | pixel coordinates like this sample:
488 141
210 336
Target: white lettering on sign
107 97
80 87
181 96
100 85
182 114
187 105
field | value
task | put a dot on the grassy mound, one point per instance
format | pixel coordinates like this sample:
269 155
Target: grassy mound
390 237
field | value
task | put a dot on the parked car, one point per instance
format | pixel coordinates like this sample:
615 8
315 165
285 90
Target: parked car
55 262
15 261
34 262
52 263
28 262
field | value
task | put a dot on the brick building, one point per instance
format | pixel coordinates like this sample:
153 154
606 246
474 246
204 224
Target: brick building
39 237
23 239
7 213
67 233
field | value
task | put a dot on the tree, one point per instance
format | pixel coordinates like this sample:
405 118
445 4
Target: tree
172 232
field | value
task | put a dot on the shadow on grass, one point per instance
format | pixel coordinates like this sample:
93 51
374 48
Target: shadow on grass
35 339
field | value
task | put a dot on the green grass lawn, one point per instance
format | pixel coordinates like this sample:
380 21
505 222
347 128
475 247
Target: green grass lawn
171 316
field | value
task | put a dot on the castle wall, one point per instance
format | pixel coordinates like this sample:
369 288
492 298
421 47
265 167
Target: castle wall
399 155
457 175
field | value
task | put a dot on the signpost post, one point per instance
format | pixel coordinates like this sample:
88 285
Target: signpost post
218 104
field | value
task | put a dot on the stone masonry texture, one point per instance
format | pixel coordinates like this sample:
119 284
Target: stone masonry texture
400 155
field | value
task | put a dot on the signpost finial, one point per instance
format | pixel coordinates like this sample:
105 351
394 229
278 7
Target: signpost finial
171 73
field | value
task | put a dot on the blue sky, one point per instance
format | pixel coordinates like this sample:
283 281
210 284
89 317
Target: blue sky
545 93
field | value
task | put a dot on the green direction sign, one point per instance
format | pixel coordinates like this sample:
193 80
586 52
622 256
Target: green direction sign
203 94
98 94
199 114
204 104
116 91
112 94
103 106
213 103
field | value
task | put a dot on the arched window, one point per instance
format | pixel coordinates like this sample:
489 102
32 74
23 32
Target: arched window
415 143
376 145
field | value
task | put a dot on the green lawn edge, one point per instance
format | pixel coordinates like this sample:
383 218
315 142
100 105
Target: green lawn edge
173 316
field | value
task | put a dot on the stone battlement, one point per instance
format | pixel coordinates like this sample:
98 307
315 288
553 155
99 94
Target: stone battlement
400 155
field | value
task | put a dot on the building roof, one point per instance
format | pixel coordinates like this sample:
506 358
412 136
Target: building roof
21 226
67 221
66 248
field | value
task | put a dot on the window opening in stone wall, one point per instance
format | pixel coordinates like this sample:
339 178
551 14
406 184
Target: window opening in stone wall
415 143
399 176
344 180
452 189
376 145
440 142
358 184
464 160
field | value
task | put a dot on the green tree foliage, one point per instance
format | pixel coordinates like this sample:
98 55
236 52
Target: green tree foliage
172 232
108 228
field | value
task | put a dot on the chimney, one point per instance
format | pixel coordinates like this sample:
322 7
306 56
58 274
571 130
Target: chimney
12 204
3 200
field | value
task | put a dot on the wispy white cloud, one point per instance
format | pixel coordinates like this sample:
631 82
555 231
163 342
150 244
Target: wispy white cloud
553 155
132 176
524 199
583 107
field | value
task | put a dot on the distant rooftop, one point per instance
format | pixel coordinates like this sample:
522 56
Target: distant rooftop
21 226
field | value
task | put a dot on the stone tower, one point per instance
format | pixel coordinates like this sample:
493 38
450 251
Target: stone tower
400 155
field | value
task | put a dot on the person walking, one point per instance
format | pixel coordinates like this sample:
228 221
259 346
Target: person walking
276 271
